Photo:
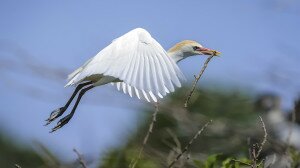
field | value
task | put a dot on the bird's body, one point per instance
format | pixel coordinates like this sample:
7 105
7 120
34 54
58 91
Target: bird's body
137 64
138 61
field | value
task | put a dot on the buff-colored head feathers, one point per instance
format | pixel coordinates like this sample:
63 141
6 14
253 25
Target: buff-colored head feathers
189 48
186 43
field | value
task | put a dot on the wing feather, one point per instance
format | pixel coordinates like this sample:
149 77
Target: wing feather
118 86
145 96
127 67
159 72
166 76
139 62
129 90
124 87
137 93
146 76
154 82
141 80
131 69
136 68
153 96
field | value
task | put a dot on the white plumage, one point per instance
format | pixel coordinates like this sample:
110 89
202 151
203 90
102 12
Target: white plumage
136 59
136 64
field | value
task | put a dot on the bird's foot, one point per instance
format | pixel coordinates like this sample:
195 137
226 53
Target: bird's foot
55 114
62 122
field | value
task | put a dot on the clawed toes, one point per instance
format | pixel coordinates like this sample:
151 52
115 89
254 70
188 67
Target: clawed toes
55 128
61 123
48 122
55 114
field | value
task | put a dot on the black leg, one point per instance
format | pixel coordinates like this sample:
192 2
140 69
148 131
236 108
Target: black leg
67 118
58 112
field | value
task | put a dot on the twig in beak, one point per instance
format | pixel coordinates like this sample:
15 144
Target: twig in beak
196 80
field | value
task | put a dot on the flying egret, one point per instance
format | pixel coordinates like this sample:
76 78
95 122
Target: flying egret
137 64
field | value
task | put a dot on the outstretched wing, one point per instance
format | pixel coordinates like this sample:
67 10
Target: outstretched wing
138 60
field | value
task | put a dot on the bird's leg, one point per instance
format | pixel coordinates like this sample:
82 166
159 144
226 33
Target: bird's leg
67 118
58 112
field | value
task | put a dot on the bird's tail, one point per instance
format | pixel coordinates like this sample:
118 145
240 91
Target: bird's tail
72 77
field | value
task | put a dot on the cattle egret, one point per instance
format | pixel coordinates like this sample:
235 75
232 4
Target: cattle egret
136 64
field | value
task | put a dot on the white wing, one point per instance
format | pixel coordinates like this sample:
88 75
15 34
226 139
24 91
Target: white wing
139 61
132 91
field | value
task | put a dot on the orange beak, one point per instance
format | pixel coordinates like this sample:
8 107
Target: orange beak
207 51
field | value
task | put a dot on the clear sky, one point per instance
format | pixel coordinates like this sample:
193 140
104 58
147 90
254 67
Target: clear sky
42 41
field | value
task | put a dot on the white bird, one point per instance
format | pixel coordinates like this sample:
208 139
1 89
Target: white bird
135 63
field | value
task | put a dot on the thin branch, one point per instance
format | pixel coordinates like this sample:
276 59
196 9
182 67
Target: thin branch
80 159
264 139
196 80
135 161
190 143
252 151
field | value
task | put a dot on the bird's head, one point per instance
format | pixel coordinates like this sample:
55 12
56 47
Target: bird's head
188 48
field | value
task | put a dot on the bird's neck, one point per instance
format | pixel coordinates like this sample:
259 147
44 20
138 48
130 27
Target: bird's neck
176 55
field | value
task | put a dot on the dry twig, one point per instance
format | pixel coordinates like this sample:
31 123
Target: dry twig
80 159
196 80
256 149
264 139
189 144
135 161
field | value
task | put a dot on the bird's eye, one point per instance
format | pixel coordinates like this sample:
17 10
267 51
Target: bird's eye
195 47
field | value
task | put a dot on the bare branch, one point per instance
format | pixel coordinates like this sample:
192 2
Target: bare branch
189 144
252 151
80 159
135 161
196 81
264 139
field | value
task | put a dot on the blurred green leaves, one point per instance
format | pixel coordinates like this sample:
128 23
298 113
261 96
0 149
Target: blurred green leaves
234 120
11 154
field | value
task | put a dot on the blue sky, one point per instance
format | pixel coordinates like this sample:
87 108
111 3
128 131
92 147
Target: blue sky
259 41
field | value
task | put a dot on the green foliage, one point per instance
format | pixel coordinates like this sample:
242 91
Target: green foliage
221 161
234 120
11 154
295 155
123 158
210 162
